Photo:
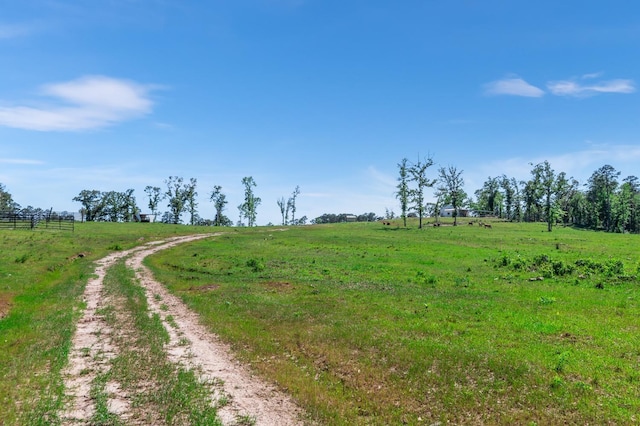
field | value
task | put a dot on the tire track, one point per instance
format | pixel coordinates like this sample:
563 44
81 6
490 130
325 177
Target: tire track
237 393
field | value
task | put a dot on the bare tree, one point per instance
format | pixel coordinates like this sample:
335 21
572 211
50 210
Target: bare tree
292 204
284 209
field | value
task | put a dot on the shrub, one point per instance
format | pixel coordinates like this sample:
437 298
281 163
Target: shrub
560 268
255 265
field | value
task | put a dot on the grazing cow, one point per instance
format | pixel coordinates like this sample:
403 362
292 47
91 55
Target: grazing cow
487 225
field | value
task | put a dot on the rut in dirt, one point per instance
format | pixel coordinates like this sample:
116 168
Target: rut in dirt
236 392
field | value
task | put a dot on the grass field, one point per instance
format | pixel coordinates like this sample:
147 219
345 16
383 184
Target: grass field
42 276
367 324
363 323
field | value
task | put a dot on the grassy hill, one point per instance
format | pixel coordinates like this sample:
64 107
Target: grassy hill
366 323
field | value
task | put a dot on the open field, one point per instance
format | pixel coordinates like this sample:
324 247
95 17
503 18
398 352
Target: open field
42 277
360 323
366 324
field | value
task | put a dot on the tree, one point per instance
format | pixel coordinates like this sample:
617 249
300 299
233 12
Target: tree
509 188
251 202
284 209
155 196
602 184
451 183
190 195
550 188
176 194
7 205
92 201
489 199
219 201
292 203
403 189
418 173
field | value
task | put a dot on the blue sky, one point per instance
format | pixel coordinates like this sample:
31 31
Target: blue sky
327 95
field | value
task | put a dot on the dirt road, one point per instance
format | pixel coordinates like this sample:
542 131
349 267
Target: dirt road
190 346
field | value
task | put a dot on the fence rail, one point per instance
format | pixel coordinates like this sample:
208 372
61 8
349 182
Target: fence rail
42 220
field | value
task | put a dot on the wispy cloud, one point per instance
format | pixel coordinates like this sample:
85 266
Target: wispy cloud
514 87
20 161
90 102
582 86
9 31
574 87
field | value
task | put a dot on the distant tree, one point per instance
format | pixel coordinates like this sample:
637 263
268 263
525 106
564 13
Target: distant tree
418 173
155 196
284 209
83 213
292 203
191 204
219 201
403 192
601 188
248 209
451 185
517 200
93 203
367 217
550 188
167 217
488 198
389 213
176 195
509 192
7 205
632 185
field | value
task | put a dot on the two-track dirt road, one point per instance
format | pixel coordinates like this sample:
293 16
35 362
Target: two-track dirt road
191 346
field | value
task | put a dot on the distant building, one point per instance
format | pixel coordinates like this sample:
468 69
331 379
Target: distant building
144 217
350 218
447 211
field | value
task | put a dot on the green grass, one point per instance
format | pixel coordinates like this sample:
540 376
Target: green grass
42 277
361 323
366 324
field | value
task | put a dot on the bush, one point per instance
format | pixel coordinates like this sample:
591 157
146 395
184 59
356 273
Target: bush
255 265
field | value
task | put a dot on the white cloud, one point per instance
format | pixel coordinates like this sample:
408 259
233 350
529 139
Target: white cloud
575 88
513 87
89 102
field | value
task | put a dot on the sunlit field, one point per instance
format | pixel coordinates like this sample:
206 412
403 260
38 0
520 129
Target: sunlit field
375 324
362 323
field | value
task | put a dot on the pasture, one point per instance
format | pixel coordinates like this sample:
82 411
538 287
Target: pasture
373 324
363 323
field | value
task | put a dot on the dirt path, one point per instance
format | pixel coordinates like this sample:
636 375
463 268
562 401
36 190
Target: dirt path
191 346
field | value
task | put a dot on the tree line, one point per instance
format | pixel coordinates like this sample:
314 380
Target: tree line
604 203
180 197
